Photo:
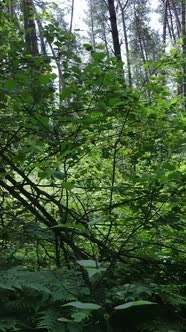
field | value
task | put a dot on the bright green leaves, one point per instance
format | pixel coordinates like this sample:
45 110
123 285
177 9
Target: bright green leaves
88 47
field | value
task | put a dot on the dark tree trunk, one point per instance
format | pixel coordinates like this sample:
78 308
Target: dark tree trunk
30 27
114 29
172 25
184 48
165 23
178 23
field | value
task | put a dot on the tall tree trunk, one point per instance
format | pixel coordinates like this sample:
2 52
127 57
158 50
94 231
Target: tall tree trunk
126 41
105 36
30 27
72 16
165 24
114 29
11 7
172 25
178 23
92 25
40 28
184 49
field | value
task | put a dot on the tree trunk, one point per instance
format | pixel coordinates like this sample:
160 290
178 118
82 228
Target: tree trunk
172 25
72 16
105 37
11 8
92 26
114 29
178 23
30 27
165 24
184 49
40 28
126 42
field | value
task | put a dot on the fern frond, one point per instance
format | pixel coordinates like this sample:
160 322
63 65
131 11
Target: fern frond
9 325
49 320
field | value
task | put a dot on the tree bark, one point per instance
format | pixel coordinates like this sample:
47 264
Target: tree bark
40 28
165 24
72 16
126 42
114 29
92 25
184 49
172 25
178 23
30 27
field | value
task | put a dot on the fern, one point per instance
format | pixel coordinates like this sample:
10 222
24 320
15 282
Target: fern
32 300
49 320
8 325
172 294
155 326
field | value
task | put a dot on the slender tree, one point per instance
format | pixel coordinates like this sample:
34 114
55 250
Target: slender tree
184 48
71 16
144 41
123 8
30 27
114 29
97 22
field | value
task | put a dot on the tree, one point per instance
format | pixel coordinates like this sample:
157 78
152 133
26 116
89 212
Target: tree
144 41
123 9
174 23
98 23
92 208
114 29
30 27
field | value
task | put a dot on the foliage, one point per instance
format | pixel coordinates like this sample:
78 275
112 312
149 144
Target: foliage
92 183
33 300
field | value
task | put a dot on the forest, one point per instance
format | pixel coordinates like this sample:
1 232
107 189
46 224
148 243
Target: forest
92 166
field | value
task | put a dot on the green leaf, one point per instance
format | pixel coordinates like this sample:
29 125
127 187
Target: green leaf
63 319
133 304
67 92
79 316
81 305
51 172
100 47
87 47
10 84
46 79
148 64
174 101
91 266
89 263
57 174
27 98
68 226
95 221
92 271
68 185
173 51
